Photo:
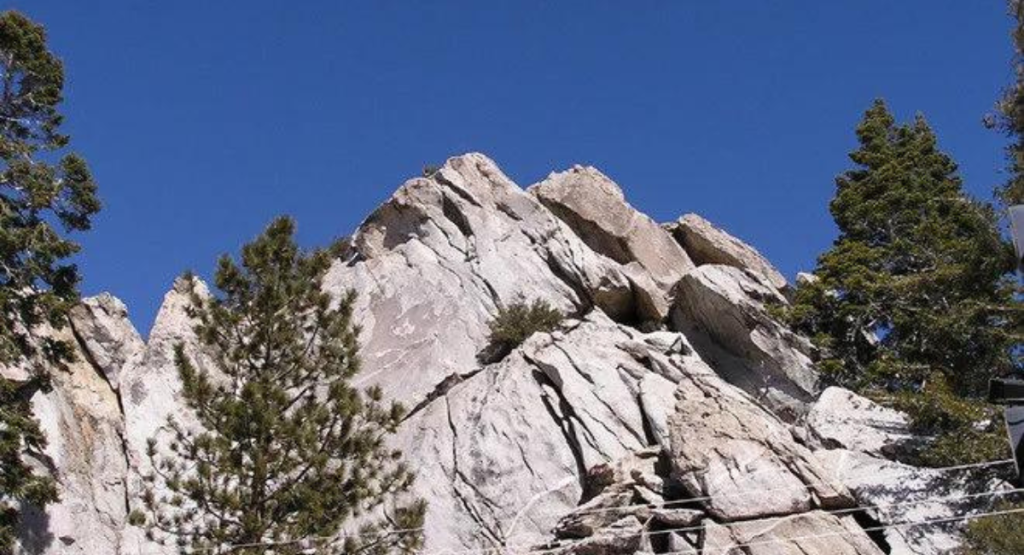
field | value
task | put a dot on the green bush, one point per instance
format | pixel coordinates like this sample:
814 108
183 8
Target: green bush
996 535
518 321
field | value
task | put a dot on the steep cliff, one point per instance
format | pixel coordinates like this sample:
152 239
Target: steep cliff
670 413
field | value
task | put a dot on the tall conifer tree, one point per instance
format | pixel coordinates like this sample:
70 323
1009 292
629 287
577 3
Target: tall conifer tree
286 450
1011 113
45 193
915 302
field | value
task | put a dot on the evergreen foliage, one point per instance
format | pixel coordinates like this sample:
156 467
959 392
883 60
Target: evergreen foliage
995 535
1011 113
286 450
518 321
915 302
45 194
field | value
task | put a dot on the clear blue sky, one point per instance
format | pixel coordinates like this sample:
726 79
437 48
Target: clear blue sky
203 120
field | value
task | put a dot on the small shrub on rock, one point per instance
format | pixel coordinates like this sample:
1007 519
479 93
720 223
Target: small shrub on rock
516 322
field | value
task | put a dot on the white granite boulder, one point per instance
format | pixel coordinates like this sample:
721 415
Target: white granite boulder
707 244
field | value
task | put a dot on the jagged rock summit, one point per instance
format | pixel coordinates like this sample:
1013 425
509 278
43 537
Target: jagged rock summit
669 413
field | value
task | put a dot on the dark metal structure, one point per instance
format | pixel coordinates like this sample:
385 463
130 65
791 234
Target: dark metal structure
1011 393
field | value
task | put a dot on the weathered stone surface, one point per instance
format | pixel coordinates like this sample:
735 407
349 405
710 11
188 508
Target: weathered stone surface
707 244
739 460
83 424
595 208
657 399
435 261
841 418
677 518
108 337
897 493
603 510
723 310
151 392
504 454
814 533
623 537
619 489
806 278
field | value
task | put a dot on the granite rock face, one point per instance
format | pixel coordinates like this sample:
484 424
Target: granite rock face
108 338
814 533
595 208
84 426
739 460
433 264
507 451
842 419
725 312
669 413
707 244
896 494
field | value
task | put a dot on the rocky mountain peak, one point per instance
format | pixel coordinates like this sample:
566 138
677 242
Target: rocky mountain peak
669 413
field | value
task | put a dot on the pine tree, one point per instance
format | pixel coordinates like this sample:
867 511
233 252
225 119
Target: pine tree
1011 113
914 304
287 450
45 193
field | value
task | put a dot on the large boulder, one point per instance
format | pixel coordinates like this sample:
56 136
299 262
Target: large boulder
842 419
109 339
595 208
725 311
707 244
814 533
739 460
898 495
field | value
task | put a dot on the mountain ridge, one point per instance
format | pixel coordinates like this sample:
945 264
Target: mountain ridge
669 396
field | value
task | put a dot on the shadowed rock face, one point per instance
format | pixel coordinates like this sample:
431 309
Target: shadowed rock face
666 414
724 310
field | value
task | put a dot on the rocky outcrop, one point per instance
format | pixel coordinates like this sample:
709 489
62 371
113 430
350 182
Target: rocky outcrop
843 419
739 460
84 425
707 244
724 310
814 533
434 263
108 338
150 394
669 413
505 453
595 208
